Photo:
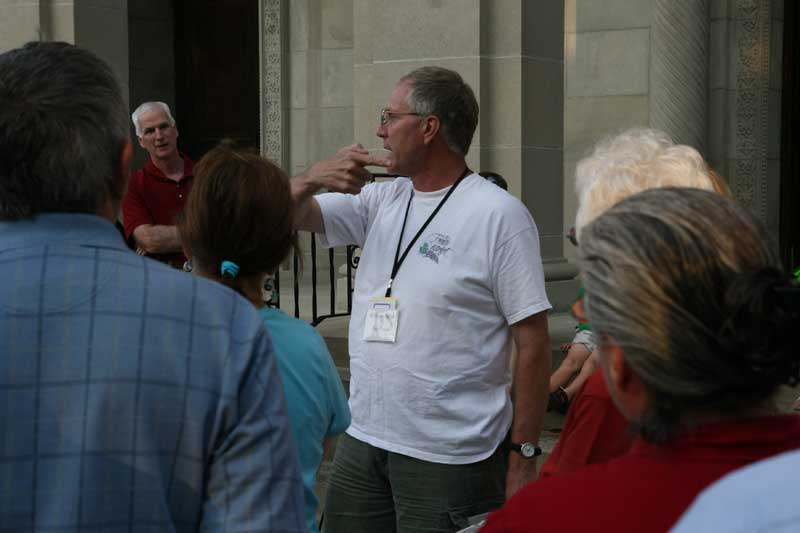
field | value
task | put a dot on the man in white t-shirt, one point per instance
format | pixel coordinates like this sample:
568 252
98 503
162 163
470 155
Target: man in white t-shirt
450 275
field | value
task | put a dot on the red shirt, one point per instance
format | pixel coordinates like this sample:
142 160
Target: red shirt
648 488
155 199
594 430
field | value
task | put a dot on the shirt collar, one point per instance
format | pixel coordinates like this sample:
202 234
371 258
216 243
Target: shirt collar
188 167
60 228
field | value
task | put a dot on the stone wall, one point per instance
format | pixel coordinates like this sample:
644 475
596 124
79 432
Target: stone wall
98 25
745 101
708 72
320 80
607 86
510 52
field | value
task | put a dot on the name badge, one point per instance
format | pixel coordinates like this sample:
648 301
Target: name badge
381 321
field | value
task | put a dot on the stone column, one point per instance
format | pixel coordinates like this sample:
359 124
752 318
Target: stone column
511 53
745 102
35 20
679 70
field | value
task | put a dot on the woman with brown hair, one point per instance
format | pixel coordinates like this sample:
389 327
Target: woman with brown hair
237 229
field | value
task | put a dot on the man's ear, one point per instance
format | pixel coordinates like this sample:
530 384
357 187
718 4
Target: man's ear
431 125
140 142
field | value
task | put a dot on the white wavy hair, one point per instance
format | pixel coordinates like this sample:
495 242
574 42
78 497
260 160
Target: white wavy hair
631 162
149 106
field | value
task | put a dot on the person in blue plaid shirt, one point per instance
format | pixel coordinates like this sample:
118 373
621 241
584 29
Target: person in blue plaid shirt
133 397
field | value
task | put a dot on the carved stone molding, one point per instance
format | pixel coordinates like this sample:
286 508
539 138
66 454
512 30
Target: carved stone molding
748 179
272 118
679 70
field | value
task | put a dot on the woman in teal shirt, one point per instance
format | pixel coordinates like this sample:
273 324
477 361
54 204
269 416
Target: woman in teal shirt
237 229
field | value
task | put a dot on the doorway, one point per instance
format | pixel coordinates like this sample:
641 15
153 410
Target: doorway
216 73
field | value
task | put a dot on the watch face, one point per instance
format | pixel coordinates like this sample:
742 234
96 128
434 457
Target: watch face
528 449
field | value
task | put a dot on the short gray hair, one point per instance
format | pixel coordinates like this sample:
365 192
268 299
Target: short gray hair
150 106
63 125
683 280
630 162
444 93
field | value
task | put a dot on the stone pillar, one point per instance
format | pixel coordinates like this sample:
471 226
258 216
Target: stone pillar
607 63
745 102
274 107
511 53
19 23
35 20
319 80
679 70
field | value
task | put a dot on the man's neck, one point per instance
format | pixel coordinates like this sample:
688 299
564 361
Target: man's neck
172 167
439 173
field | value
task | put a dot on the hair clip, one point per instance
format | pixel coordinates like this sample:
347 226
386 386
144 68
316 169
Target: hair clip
796 275
229 268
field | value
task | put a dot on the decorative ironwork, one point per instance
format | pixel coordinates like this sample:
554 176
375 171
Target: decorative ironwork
273 287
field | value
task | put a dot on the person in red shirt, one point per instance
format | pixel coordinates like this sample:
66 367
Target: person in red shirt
158 191
695 336
593 432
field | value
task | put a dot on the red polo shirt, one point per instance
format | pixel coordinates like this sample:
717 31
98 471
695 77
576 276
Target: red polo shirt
594 430
155 199
648 488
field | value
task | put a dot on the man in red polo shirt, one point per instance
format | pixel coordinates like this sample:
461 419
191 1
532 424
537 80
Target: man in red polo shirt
158 191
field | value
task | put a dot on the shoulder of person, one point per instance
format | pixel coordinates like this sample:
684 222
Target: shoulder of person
494 197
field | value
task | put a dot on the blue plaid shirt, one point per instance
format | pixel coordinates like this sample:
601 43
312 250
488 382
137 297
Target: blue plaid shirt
133 397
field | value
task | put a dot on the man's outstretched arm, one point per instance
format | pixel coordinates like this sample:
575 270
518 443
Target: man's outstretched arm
344 172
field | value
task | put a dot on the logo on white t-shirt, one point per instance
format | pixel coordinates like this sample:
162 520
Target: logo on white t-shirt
434 246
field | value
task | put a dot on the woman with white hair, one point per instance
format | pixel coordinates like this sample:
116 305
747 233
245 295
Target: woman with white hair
695 336
619 166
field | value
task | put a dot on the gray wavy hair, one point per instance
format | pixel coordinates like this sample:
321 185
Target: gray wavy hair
630 162
683 280
444 93
149 106
63 124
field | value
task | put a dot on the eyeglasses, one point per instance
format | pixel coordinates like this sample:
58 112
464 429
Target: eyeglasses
387 115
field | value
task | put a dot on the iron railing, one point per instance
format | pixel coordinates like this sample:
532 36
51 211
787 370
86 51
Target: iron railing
351 260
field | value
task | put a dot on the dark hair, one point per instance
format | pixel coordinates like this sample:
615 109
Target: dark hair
240 210
63 124
495 178
444 93
688 284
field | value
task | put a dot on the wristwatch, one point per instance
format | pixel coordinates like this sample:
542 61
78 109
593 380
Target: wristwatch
526 449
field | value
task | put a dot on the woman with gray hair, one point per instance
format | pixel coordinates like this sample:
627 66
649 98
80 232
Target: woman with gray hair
695 336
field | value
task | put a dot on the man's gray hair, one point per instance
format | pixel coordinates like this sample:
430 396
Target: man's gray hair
444 93
63 125
683 281
630 162
150 106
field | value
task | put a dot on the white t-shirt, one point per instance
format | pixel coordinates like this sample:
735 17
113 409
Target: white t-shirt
440 392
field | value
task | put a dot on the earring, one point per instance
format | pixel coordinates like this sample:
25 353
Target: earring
187 266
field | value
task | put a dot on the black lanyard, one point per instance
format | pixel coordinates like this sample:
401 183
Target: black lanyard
398 259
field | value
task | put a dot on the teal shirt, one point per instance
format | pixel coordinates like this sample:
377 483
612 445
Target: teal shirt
315 396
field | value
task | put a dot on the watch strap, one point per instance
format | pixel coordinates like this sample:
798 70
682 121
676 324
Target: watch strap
537 451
